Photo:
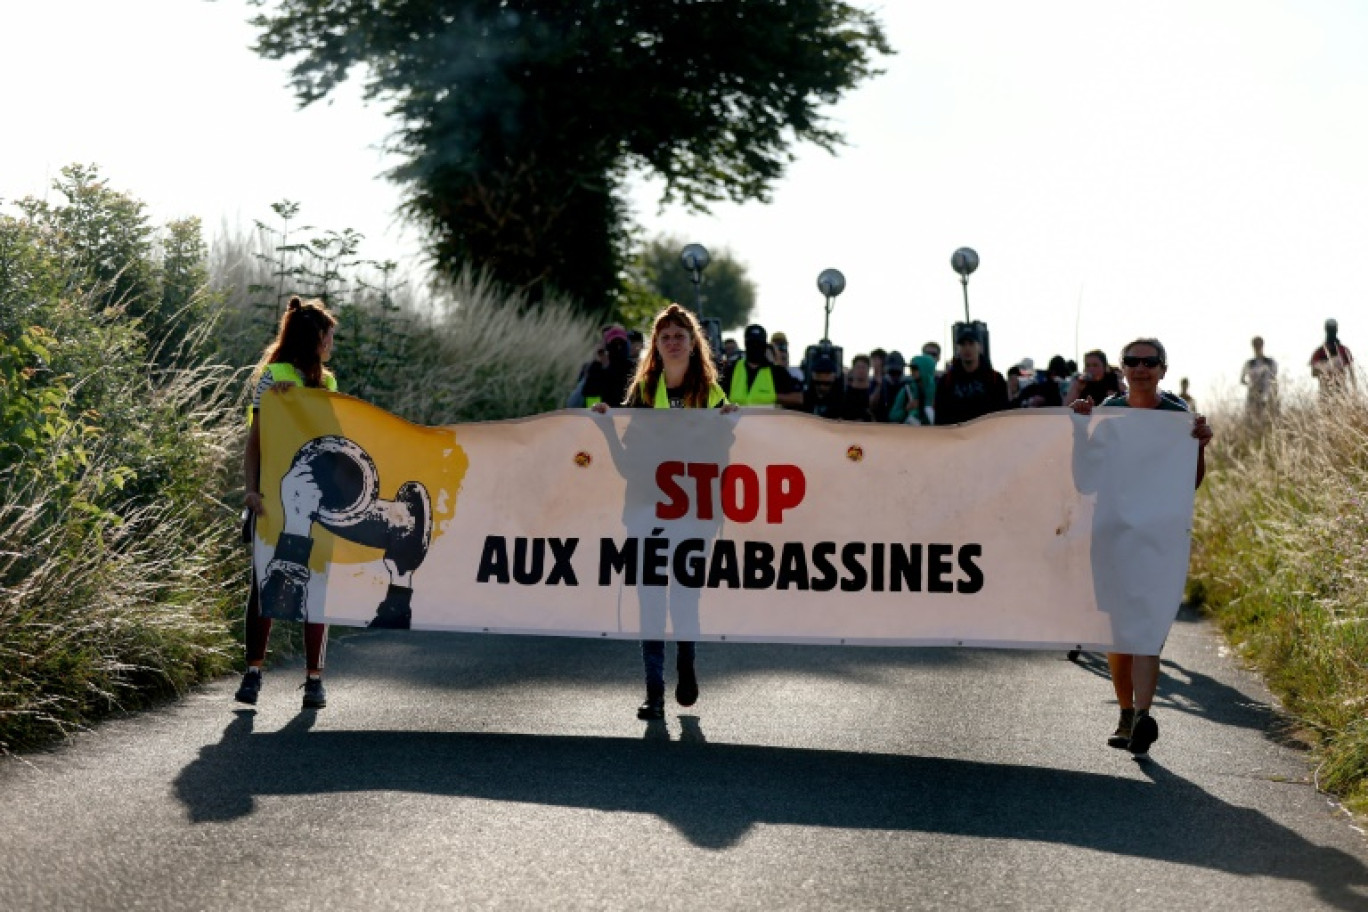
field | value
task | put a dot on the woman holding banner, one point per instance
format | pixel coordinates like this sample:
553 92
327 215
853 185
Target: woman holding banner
1136 677
677 371
295 358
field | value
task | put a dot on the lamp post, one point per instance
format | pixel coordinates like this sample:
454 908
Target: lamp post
830 283
695 259
964 261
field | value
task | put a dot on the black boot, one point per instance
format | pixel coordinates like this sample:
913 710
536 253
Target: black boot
686 691
394 612
654 707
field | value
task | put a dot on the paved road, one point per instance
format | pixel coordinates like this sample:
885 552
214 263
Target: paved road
456 771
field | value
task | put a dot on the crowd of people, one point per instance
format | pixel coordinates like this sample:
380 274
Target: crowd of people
878 386
885 386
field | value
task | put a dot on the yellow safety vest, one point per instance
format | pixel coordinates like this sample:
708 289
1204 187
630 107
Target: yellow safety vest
662 400
284 370
761 394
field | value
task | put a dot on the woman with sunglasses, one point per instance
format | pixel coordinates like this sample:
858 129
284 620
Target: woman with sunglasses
1135 677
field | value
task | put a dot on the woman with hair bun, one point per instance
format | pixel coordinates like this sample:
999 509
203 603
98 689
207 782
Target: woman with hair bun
296 357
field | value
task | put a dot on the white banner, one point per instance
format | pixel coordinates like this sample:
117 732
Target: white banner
1034 529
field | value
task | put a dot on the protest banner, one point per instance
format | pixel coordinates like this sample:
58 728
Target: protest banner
1025 529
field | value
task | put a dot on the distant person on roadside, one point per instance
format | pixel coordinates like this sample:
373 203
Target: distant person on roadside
729 350
638 342
1186 396
296 356
1260 377
754 381
1332 364
1097 381
970 388
1136 677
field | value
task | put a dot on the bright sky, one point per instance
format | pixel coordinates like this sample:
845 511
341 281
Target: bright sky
1194 171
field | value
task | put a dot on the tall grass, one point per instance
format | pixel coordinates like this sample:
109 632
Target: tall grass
1280 558
120 590
431 350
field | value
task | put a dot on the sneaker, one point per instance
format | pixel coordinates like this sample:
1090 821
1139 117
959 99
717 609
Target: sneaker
1144 733
1121 738
315 697
250 688
686 691
653 708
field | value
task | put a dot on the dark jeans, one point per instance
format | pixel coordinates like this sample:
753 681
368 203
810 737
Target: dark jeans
653 654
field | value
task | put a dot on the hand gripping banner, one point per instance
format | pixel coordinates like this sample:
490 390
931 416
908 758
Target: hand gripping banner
1035 529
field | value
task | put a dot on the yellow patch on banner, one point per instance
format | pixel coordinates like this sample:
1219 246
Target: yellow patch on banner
400 452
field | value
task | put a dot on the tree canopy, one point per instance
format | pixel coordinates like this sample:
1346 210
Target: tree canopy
519 120
727 291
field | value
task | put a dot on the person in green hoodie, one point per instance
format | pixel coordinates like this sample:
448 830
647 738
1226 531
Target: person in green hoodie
914 402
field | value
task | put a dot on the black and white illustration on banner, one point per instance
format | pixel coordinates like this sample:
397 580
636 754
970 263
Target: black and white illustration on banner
333 482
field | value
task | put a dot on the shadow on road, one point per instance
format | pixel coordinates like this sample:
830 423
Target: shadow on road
714 793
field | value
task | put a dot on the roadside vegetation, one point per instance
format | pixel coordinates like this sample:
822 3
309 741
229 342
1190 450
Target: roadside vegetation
125 349
1280 559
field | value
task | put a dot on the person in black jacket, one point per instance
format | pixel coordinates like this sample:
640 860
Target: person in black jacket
970 388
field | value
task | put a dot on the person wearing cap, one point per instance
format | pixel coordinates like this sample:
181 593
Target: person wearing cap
970 388
607 382
1136 677
754 381
825 398
1042 390
890 384
1332 364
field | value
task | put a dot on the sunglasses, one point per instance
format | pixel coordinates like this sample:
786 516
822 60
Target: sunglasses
1150 361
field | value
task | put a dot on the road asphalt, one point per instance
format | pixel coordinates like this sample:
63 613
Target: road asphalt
455 771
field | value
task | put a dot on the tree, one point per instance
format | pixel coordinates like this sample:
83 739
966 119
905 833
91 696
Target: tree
520 119
728 293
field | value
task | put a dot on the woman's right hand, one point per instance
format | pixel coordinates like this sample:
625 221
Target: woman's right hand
599 408
255 502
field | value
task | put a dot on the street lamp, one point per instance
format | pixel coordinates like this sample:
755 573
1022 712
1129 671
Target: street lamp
830 283
964 261
695 259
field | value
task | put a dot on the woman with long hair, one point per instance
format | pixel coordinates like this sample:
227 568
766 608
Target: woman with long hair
676 370
295 357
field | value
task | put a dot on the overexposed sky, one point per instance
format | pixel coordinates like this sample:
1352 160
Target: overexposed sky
1192 170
